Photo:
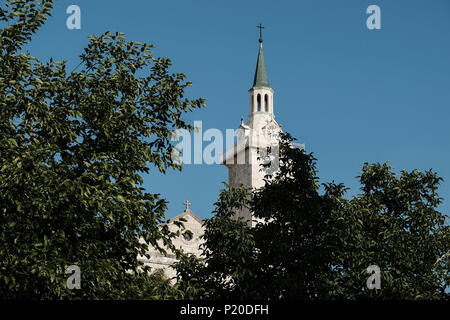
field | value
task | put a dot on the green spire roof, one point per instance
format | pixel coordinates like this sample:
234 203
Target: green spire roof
261 78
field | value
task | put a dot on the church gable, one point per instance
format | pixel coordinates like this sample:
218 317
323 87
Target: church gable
188 215
271 125
189 242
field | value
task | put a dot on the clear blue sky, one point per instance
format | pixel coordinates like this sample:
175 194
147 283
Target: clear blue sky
352 95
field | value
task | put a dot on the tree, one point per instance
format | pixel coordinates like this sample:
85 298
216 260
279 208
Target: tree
73 148
310 244
395 225
225 270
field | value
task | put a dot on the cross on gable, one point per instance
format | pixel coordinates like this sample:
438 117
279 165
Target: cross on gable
187 204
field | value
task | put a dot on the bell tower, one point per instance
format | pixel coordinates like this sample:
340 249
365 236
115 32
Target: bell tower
243 160
261 94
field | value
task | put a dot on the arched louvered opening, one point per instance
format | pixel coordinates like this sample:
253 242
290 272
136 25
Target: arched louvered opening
266 102
258 102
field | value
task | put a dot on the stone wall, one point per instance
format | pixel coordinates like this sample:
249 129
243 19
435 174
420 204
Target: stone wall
187 244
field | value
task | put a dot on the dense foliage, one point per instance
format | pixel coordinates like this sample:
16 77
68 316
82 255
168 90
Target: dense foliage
73 147
309 244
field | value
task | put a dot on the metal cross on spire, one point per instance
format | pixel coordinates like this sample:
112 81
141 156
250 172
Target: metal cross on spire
187 204
260 32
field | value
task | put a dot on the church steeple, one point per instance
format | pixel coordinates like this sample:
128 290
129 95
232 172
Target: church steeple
255 137
261 94
261 78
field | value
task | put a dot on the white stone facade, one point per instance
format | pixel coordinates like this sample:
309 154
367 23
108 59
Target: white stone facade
189 245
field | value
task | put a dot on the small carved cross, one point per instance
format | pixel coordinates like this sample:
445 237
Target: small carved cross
187 204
